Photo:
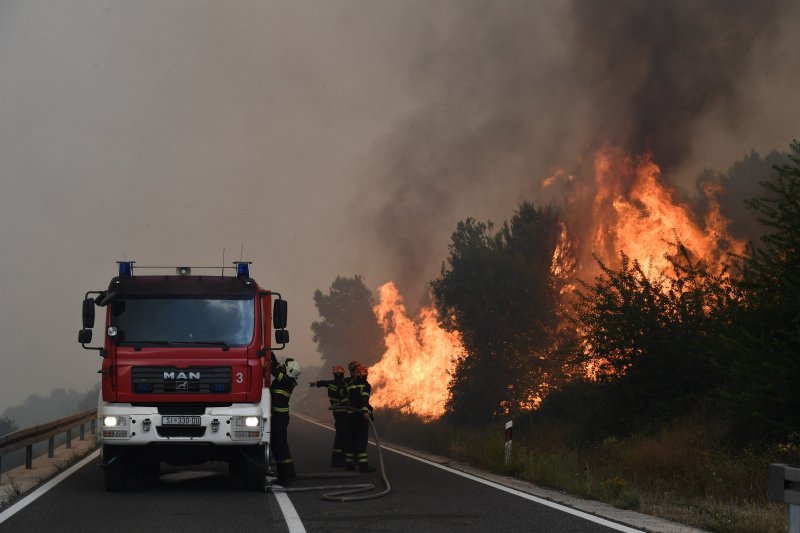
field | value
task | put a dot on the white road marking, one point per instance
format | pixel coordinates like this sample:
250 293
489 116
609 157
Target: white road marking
547 503
40 491
289 513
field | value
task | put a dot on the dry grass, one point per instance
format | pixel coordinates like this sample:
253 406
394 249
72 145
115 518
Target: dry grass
68 459
11 492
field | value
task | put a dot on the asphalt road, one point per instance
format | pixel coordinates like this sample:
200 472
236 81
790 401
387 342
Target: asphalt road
424 498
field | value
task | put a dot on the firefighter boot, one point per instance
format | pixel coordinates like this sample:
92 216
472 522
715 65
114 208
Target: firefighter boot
286 474
364 467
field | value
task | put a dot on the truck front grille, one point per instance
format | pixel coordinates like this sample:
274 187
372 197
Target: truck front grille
173 380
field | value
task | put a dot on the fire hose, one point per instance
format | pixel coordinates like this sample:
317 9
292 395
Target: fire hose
345 492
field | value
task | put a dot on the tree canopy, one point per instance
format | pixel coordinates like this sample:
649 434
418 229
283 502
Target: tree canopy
646 338
347 328
498 291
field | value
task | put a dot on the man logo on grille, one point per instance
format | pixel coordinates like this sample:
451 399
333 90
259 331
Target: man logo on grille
181 385
182 375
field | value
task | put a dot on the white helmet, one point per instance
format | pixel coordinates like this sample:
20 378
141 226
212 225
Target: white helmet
292 368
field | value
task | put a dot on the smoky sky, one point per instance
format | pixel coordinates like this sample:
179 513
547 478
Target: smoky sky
513 91
657 67
171 132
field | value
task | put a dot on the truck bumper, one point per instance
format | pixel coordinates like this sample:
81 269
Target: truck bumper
237 425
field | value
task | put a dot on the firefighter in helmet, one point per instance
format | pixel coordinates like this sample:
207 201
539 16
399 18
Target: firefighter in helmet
358 393
352 366
285 380
337 396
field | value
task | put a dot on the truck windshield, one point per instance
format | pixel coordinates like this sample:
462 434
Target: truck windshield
184 321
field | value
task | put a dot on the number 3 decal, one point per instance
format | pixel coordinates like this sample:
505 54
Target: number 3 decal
239 377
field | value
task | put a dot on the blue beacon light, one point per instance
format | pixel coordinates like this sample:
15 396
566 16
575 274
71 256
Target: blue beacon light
125 268
242 270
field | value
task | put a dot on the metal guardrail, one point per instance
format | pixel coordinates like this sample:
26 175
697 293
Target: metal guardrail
26 438
784 486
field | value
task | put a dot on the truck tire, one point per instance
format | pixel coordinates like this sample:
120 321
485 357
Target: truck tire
114 470
255 467
236 466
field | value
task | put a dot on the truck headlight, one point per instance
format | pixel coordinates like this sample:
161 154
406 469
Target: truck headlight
245 427
115 427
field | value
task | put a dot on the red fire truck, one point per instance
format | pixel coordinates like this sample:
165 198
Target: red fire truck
185 370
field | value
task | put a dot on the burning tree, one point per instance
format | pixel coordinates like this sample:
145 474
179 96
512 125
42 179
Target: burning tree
657 340
644 339
499 292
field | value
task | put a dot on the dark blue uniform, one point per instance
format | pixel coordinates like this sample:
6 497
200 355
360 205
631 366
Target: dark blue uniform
358 393
337 396
280 392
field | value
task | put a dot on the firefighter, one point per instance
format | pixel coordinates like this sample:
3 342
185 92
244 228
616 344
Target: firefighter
352 366
285 379
337 396
358 392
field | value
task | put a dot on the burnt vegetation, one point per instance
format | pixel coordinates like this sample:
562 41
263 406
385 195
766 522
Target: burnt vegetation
691 338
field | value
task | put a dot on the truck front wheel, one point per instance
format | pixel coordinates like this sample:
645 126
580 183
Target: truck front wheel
114 469
255 467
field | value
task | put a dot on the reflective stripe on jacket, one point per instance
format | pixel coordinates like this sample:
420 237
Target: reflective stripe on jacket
358 393
281 391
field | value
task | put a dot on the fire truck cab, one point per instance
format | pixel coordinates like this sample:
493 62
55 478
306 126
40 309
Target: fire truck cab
185 370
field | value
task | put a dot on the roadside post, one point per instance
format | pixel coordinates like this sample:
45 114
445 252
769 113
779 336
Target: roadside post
509 431
784 486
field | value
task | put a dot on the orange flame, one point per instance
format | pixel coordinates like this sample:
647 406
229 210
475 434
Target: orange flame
562 266
414 374
635 213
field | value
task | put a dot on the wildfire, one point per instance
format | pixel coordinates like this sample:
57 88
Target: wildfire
563 263
557 174
414 373
634 212
631 210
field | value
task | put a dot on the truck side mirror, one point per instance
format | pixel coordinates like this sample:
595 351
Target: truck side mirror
85 336
88 313
281 336
279 311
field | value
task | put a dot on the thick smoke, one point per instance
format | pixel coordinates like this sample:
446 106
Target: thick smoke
515 90
654 69
742 182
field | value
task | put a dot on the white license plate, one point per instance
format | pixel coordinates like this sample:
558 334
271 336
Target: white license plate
180 420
